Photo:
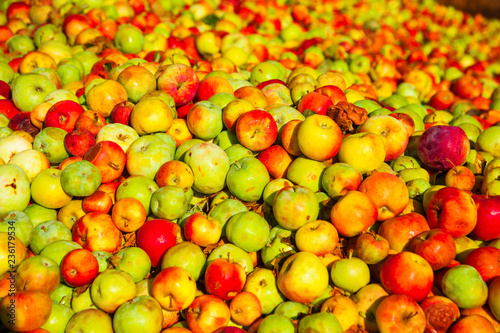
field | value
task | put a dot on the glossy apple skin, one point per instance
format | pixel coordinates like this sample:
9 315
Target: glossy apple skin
315 102
157 236
488 209
443 147
400 313
174 288
452 210
224 279
207 313
78 142
109 158
276 160
79 267
472 324
64 114
436 246
32 310
256 130
96 232
486 260
409 274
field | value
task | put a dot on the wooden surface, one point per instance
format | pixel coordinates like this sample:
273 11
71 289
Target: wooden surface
489 8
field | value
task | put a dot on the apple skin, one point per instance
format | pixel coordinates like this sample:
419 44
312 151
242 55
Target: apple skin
472 324
186 255
400 313
303 277
294 206
146 312
37 273
63 114
486 261
276 160
111 289
436 246
78 142
30 89
202 230
443 147
30 310
224 279
464 286
372 248
247 178
452 210
179 81
79 267
109 158
96 231
350 274
441 313
319 130
353 213
400 230
317 237
256 130
488 208
157 236
174 288
416 282
340 178
14 188
207 313
245 308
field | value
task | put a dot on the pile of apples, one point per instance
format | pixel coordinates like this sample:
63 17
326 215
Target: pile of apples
248 166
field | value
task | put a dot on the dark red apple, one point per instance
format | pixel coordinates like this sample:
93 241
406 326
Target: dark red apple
121 113
78 142
486 260
315 102
436 246
224 279
488 214
157 236
63 114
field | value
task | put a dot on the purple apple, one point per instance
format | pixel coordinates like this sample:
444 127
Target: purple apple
443 147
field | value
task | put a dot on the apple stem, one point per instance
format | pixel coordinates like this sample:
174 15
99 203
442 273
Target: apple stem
350 253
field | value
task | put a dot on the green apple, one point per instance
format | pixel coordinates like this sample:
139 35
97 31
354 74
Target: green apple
248 230
90 320
29 90
210 166
306 172
129 39
169 202
464 286
181 151
489 141
112 288
278 246
320 322
18 223
48 232
225 210
81 179
236 152
62 294
139 187
81 300
226 139
140 314
292 310
59 318
262 283
58 249
147 154
186 255
247 178
37 214
132 260
234 253
14 188
50 141
294 206
102 259
204 120
276 323
350 274
273 187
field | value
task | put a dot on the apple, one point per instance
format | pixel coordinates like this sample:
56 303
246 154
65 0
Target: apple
472 323
436 246
146 155
303 277
81 178
247 178
486 210
79 267
247 230
487 141
138 187
157 236
63 114
485 261
89 320
400 313
322 321
207 313
109 158
233 110
464 286
372 248
400 230
37 273
294 206
317 237
99 201
58 249
129 39
441 154
146 312
96 231
50 142
340 178
353 213
204 120
174 288
202 230
365 151
224 278
48 232
262 283
128 214
112 288
137 81
319 130
103 97
25 310
440 312
185 255
256 130
179 81
30 89
350 274
17 223
210 166
452 210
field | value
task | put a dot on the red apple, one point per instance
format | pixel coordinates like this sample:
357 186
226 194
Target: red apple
436 246
78 142
157 236
179 81
400 313
400 230
8 108
452 210
64 114
440 312
333 92
316 102
79 267
488 210
409 274
202 230
473 324
25 310
92 121
276 160
109 158
207 313
486 260
121 113
256 130
224 278
96 232
99 201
